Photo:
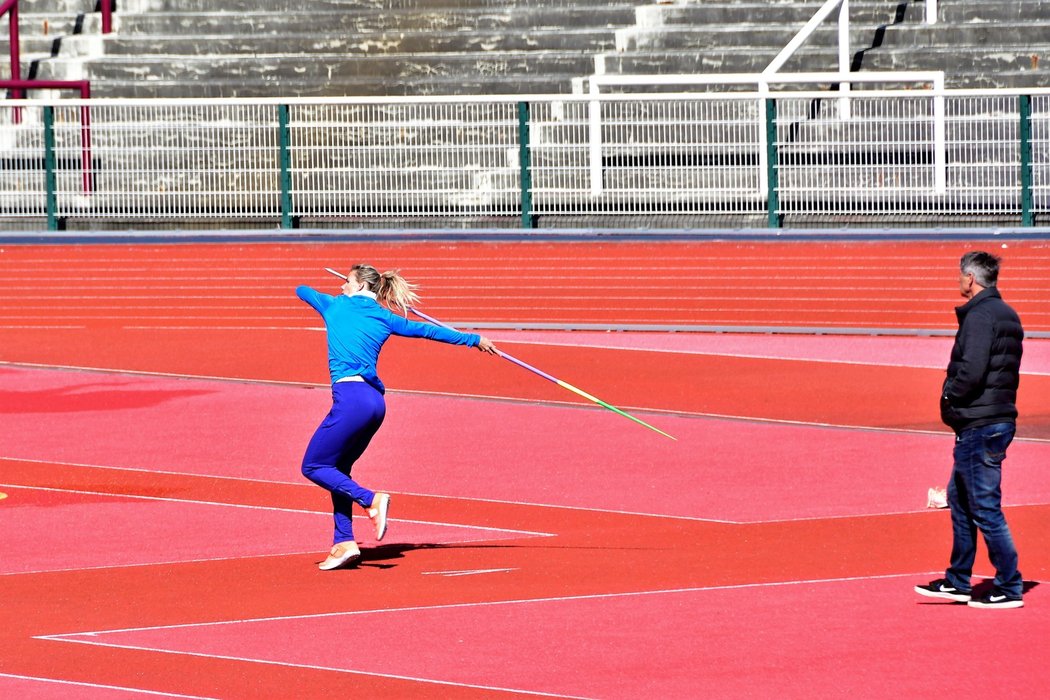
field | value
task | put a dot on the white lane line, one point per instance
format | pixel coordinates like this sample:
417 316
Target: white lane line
468 572
99 634
276 509
84 684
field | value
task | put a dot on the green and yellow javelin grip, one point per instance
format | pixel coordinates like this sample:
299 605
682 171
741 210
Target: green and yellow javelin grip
563 385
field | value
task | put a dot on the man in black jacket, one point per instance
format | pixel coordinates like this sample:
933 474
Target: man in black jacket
979 402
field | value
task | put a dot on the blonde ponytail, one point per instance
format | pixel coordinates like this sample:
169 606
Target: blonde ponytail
390 287
395 290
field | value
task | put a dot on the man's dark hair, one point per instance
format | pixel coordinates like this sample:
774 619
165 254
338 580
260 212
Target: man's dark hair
983 266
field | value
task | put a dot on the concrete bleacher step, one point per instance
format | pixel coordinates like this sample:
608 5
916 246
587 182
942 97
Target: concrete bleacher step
787 15
736 35
984 11
280 6
40 31
324 21
326 74
979 35
43 24
302 47
971 63
714 60
371 44
29 47
265 88
233 6
784 14
440 45
68 8
976 44
329 66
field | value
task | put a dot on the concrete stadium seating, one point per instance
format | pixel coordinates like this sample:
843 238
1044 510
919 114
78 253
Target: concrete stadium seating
255 48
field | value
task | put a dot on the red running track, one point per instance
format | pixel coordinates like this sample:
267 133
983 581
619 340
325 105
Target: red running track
890 285
749 559
535 549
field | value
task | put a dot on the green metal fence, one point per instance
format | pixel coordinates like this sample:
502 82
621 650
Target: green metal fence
773 159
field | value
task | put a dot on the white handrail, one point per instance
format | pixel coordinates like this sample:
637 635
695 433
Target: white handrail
843 42
762 81
807 30
803 36
843 33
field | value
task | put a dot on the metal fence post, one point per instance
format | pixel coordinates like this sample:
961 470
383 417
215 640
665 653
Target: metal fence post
773 196
287 220
1025 109
50 181
525 163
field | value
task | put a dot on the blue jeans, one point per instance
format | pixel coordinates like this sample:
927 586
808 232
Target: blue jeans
357 412
975 499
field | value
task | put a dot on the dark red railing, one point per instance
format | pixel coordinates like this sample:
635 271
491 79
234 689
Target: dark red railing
84 87
10 7
18 87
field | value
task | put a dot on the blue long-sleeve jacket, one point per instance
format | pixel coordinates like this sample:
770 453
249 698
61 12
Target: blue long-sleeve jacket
358 326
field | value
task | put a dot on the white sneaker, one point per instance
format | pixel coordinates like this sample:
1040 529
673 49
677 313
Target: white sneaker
377 513
340 555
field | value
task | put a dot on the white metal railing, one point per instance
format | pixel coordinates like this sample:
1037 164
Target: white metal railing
694 154
844 59
762 82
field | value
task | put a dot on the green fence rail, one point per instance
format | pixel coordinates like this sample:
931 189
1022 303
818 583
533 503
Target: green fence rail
768 160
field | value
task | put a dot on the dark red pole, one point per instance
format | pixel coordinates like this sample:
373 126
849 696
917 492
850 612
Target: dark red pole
11 6
85 138
107 16
84 86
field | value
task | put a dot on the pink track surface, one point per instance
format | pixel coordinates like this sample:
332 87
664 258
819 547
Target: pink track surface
549 646
735 489
911 351
164 542
169 531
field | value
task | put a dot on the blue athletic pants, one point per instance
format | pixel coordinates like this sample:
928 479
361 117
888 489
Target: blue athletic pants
357 412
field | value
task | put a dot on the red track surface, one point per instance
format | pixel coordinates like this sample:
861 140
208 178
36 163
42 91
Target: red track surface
768 561
888 285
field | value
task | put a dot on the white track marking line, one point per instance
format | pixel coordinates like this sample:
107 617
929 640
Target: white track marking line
746 356
526 504
97 634
143 470
165 375
468 572
506 399
314 667
692 518
166 499
39 327
105 687
486 528
171 562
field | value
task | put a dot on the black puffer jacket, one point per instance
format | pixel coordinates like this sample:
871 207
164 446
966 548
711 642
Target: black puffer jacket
981 387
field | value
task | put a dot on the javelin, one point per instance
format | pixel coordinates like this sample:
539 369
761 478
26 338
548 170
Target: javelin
525 365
